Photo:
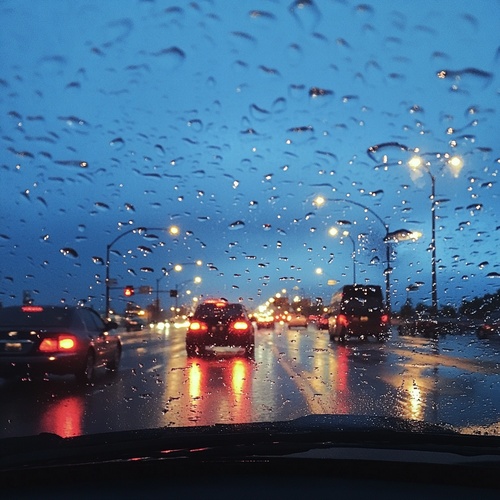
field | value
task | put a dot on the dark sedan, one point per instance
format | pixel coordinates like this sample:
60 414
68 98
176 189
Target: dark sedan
35 340
490 326
218 323
134 323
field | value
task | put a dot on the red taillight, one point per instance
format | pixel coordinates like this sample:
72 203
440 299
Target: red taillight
240 326
61 343
198 327
384 318
32 309
342 320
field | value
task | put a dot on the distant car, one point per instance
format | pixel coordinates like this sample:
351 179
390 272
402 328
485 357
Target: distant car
264 320
134 323
56 339
282 317
426 325
322 322
218 323
358 311
297 321
490 327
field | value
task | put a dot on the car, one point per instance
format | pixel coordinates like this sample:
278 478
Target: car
313 318
297 321
322 322
61 340
359 311
490 327
219 323
134 323
264 320
281 317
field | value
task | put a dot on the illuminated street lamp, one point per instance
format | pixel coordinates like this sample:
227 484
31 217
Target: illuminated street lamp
330 281
416 163
333 231
177 268
173 231
390 237
197 280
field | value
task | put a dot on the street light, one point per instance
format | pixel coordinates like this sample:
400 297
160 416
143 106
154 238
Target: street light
173 230
416 163
333 231
196 280
177 268
390 237
330 281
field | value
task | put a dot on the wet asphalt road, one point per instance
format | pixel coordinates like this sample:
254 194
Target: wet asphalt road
453 379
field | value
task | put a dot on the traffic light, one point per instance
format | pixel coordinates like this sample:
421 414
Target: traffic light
173 293
128 291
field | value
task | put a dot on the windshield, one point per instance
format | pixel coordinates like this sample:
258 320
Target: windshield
160 154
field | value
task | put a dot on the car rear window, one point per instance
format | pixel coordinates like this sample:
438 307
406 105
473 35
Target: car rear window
362 299
35 316
221 312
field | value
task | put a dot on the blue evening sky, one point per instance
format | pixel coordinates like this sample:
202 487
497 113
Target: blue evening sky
227 119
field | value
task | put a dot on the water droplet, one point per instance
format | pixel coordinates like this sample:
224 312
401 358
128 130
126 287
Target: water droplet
236 225
389 153
172 56
69 252
117 143
306 14
101 206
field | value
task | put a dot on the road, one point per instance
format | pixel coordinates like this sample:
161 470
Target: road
453 379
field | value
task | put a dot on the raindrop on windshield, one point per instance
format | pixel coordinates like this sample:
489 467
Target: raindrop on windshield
117 143
236 225
69 252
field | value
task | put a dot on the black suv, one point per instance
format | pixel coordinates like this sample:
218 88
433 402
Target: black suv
218 323
358 310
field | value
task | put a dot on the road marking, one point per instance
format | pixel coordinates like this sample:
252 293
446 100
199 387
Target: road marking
314 403
430 358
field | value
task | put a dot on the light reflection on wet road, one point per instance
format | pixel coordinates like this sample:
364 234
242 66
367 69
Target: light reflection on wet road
453 379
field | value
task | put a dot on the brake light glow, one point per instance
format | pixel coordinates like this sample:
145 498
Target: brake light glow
31 309
198 327
342 320
384 318
240 325
61 343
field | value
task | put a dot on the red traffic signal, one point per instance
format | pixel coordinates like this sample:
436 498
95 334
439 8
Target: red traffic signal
128 291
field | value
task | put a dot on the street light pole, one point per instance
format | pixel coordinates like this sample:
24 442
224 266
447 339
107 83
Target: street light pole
173 230
387 248
177 267
455 163
333 231
434 293
353 257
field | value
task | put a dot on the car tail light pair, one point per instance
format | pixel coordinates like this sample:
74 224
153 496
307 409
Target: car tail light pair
59 343
238 326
